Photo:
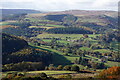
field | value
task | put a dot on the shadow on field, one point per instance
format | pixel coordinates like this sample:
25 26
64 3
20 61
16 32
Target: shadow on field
60 60
56 58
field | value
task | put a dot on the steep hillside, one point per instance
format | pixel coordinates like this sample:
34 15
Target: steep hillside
12 43
17 50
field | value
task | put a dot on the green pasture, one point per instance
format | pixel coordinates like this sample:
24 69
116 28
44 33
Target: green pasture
85 48
48 72
51 25
52 72
37 20
60 41
60 58
75 36
102 50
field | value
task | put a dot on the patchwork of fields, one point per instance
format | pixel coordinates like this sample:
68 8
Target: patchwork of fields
77 44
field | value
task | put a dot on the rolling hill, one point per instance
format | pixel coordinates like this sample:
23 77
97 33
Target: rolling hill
98 21
10 12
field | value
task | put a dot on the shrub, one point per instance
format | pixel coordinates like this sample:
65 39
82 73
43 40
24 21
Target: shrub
60 67
51 67
75 68
11 75
67 67
43 75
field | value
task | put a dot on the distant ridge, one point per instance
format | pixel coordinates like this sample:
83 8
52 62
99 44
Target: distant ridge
86 12
18 11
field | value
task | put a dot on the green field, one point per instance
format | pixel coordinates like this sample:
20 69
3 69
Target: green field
41 27
45 26
51 25
85 48
37 20
70 59
60 58
60 41
102 50
52 72
75 36
36 72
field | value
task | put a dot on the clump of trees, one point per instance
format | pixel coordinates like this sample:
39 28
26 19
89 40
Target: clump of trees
112 72
60 67
12 44
26 55
16 50
75 68
65 18
23 66
22 76
69 30
24 31
110 36
13 16
90 63
66 68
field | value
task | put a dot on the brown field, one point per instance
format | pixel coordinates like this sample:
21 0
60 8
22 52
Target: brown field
36 15
7 26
